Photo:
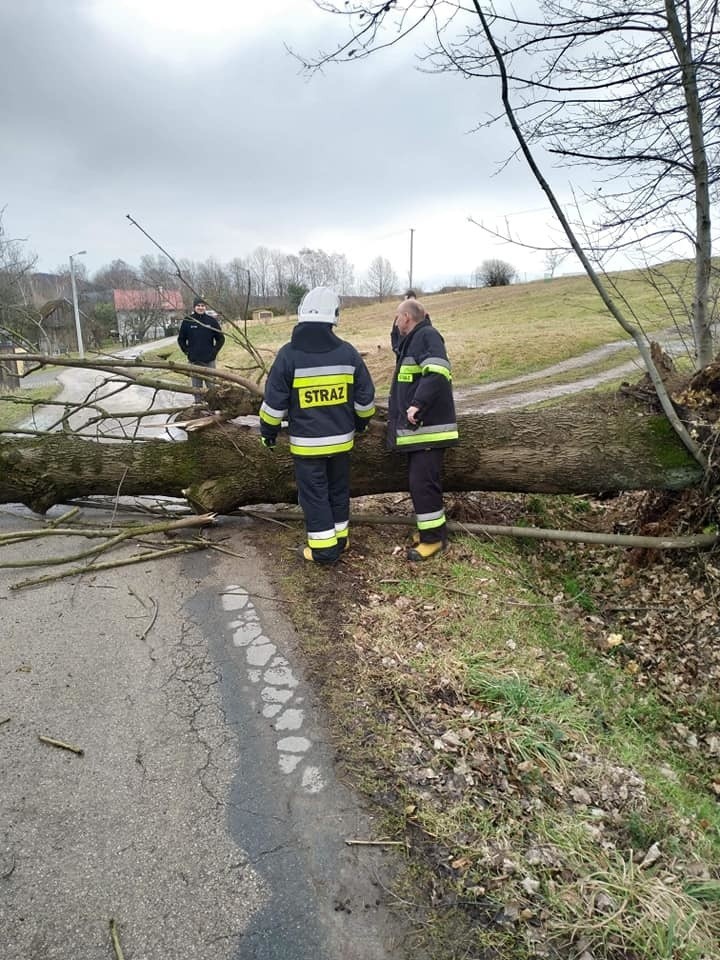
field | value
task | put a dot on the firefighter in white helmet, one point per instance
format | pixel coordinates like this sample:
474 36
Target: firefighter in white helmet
321 386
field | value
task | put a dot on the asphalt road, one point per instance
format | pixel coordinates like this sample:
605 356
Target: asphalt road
203 815
100 392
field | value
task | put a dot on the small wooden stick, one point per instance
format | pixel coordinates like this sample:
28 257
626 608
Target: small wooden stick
63 746
65 517
376 843
146 631
91 568
116 940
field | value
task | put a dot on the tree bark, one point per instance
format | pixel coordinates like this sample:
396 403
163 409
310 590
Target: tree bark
587 446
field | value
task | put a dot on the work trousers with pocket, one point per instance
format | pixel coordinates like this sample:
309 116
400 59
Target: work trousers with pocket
425 483
197 381
323 485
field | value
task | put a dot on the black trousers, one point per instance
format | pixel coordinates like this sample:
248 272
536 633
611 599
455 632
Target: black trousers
425 483
324 495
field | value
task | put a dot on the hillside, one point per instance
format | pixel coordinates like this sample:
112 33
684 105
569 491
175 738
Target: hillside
502 332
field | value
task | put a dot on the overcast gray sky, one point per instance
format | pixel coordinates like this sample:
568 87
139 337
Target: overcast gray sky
192 116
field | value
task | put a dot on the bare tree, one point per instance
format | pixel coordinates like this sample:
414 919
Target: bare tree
18 317
381 279
630 91
553 259
117 275
279 272
157 272
294 267
318 268
260 263
488 45
495 273
344 274
239 286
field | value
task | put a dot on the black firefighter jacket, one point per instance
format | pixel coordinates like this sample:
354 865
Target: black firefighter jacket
321 386
422 379
200 338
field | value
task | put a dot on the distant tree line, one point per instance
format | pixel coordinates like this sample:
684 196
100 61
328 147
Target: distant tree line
266 277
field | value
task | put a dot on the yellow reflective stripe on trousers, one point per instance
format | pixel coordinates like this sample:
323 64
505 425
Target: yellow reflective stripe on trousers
326 451
429 522
321 539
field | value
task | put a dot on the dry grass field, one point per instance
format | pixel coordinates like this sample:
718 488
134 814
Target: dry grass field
500 332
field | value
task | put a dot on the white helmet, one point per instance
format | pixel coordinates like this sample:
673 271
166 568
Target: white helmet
319 305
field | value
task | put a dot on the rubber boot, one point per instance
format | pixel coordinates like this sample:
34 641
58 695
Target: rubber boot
423 551
305 553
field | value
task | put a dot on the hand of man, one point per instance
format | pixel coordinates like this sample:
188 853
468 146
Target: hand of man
412 413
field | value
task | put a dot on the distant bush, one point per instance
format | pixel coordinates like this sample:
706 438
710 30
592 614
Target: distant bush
495 273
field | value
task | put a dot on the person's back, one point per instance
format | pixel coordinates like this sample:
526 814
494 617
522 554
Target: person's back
322 397
421 420
321 386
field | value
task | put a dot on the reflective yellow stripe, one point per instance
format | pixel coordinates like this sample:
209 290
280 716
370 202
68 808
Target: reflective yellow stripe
322 544
431 524
416 439
273 421
321 381
364 414
321 451
407 372
443 371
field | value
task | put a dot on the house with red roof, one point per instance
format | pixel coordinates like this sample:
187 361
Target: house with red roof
147 314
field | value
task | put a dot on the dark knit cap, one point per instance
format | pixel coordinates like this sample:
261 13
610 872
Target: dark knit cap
199 300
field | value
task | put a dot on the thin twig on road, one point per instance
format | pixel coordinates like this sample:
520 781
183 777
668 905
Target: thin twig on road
51 741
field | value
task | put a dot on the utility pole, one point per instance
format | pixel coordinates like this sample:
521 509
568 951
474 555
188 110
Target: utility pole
76 309
412 231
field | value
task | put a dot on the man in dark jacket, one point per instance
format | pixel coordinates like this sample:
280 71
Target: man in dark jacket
200 339
321 386
421 420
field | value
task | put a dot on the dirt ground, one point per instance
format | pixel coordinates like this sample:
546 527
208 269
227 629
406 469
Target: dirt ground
659 609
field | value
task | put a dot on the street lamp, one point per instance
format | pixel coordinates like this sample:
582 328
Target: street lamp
76 309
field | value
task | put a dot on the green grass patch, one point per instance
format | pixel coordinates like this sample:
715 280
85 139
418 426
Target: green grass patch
17 407
571 776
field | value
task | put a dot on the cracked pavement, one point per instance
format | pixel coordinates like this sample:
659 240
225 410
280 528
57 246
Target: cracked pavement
203 815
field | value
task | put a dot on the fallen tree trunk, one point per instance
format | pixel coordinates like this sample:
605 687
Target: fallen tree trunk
587 446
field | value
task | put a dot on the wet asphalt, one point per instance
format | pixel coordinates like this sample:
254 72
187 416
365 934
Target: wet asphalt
204 815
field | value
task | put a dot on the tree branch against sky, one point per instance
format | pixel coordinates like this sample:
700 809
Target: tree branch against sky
628 95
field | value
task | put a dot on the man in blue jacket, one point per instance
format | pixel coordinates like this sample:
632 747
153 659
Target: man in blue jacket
321 386
421 420
200 339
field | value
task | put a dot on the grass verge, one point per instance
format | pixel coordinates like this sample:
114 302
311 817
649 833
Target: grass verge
521 750
16 407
